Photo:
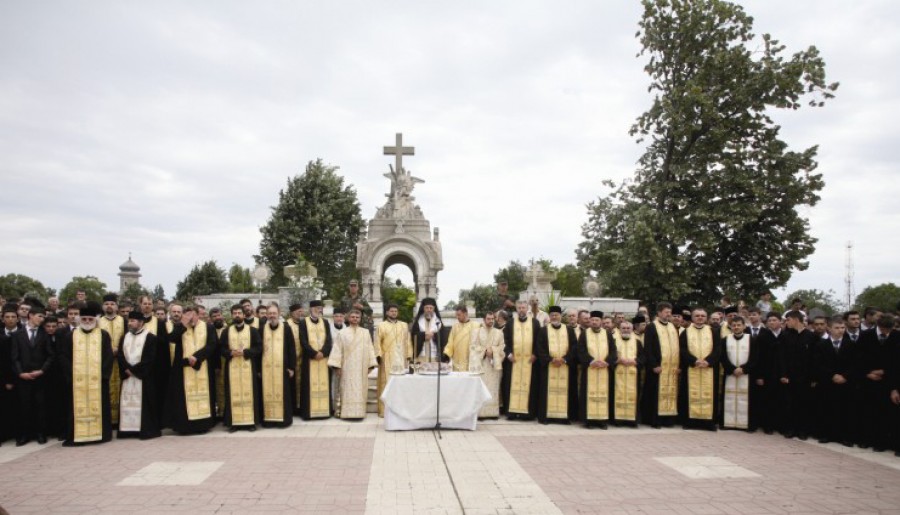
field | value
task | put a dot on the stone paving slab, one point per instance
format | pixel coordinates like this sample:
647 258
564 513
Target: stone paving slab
334 466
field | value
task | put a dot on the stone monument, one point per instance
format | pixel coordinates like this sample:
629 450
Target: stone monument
399 234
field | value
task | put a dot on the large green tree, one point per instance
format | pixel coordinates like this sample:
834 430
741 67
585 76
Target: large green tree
203 279
514 275
318 216
133 292
482 295
713 206
395 292
885 297
569 281
93 288
17 286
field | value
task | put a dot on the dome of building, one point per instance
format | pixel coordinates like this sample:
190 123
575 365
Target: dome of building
129 266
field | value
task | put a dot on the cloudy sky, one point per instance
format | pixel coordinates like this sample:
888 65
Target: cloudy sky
166 129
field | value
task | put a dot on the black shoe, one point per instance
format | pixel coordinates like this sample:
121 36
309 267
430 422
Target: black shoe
878 449
802 437
233 429
251 428
41 439
21 441
824 440
847 443
864 446
896 453
654 426
603 426
789 434
769 432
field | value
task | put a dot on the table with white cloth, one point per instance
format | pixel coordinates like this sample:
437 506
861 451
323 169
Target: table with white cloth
410 401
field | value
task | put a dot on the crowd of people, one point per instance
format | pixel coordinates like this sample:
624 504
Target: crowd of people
79 373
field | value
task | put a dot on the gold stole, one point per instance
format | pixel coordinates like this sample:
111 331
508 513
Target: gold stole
626 380
557 377
700 380
598 378
273 373
255 323
170 326
520 378
240 379
87 385
319 384
151 325
116 330
196 382
667 404
220 377
295 330
460 340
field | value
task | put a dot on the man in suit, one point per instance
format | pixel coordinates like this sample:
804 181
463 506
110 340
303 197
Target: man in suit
32 357
833 372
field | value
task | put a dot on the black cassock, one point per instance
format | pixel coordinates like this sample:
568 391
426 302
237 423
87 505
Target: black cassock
289 363
834 401
876 410
8 414
652 359
253 354
176 415
65 360
142 370
28 356
161 365
571 363
585 360
794 362
688 360
506 381
760 415
308 354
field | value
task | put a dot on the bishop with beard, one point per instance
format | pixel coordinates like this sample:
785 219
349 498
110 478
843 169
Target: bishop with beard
316 340
86 357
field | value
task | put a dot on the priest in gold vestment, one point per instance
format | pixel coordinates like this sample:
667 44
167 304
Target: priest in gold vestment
521 336
191 396
459 340
279 358
598 357
353 357
557 398
316 340
241 345
113 324
626 388
393 350
86 360
700 353
662 355
486 358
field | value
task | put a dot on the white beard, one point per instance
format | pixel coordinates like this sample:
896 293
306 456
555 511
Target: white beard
88 327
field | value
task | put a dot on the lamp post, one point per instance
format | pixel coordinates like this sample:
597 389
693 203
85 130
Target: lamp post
260 274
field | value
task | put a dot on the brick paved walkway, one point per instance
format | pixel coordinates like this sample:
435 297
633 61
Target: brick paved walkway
504 467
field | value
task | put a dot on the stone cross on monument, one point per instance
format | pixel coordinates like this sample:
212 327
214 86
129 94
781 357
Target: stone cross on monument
398 151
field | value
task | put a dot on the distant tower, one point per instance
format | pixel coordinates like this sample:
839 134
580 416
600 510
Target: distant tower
850 290
129 273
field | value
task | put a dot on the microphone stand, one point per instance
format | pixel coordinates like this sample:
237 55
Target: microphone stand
437 422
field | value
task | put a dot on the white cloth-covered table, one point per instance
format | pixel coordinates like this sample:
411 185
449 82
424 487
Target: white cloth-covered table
410 401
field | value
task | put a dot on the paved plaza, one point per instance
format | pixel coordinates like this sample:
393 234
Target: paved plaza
503 467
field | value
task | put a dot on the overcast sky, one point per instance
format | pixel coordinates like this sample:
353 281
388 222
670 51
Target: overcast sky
166 129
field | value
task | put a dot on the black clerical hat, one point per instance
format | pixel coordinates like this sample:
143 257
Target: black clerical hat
555 309
135 315
316 304
596 314
638 319
110 297
731 309
340 311
90 309
428 301
295 307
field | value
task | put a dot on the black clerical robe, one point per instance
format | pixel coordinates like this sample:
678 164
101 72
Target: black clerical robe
557 394
315 393
279 357
87 392
699 389
661 389
835 382
794 353
243 399
8 411
161 365
191 392
876 410
597 384
141 371
520 385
